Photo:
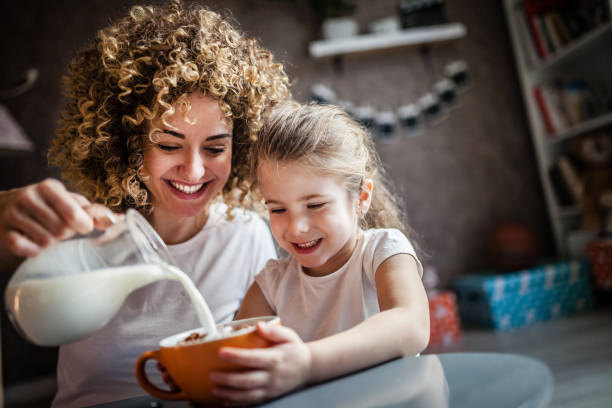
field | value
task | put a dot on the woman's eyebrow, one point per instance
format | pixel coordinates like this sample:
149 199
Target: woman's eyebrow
171 132
219 136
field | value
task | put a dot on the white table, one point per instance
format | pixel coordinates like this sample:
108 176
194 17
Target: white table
455 380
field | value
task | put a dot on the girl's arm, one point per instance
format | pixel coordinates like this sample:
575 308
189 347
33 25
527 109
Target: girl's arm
401 328
254 304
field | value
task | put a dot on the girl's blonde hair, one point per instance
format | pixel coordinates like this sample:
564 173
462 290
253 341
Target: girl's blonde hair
327 139
134 72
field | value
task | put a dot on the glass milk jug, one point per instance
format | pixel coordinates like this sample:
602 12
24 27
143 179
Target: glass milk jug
73 288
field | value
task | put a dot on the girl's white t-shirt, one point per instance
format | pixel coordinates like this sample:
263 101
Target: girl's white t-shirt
222 260
319 306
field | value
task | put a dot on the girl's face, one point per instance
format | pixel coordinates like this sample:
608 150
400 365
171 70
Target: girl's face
312 216
189 163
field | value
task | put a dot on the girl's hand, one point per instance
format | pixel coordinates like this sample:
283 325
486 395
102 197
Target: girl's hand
274 371
38 215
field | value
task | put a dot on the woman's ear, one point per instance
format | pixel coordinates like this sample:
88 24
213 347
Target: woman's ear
365 196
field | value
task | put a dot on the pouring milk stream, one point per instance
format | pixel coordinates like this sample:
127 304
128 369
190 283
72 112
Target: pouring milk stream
73 288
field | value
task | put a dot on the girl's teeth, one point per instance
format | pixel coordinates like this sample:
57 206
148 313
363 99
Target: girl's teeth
308 244
185 188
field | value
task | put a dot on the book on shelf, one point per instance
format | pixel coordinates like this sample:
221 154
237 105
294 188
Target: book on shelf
567 103
544 111
552 24
560 189
566 178
571 178
531 53
560 27
553 33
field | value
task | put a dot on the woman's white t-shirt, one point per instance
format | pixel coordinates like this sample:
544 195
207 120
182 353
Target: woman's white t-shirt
319 306
222 260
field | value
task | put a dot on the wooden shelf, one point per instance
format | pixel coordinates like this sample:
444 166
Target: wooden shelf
586 126
371 42
577 48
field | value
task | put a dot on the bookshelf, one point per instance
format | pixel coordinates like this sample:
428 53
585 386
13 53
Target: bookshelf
586 56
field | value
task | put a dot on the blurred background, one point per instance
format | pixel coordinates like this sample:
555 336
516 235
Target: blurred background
466 169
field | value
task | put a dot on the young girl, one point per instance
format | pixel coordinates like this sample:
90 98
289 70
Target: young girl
351 287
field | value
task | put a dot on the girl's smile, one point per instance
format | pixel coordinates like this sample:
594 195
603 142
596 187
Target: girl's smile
307 247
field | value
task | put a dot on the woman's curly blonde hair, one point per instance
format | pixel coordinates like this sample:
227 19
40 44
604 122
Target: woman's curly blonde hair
133 73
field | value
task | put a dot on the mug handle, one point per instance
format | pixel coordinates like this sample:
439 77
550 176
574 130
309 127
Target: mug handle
148 386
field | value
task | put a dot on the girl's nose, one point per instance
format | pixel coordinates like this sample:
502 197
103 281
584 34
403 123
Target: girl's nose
298 224
193 166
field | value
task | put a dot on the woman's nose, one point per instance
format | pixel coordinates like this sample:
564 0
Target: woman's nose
193 166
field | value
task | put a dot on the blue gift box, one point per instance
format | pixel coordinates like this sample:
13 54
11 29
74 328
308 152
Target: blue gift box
524 297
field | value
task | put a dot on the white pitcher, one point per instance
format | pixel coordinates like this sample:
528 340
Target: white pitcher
73 288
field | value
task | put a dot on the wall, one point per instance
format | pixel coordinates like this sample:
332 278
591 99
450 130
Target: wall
459 180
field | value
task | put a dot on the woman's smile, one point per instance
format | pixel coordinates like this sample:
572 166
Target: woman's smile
187 191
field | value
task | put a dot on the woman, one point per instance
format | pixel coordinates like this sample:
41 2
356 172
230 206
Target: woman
162 110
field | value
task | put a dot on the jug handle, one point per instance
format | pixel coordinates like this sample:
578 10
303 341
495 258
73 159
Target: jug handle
149 387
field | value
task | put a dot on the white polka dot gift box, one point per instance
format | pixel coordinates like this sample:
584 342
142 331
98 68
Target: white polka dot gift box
521 298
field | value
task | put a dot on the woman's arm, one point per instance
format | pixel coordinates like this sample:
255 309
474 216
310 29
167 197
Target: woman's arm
401 328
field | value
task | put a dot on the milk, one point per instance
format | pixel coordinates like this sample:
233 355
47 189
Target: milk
61 309
202 310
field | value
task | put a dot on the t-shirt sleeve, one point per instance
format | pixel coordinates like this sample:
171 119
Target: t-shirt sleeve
268 282
263 247
388 242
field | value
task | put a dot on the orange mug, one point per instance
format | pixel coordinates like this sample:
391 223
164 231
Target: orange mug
189 362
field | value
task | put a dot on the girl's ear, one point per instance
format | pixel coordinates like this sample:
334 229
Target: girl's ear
365 196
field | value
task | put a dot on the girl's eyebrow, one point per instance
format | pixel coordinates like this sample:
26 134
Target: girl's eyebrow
305 198
182 136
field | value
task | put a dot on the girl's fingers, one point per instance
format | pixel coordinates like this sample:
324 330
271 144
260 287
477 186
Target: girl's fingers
251 358
276 333
245 380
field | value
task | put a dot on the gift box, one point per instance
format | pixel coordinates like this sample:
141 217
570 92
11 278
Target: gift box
443 318
524 297
600 255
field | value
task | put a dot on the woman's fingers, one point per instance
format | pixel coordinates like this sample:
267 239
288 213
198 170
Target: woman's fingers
103 217
20 245
35 216
66 206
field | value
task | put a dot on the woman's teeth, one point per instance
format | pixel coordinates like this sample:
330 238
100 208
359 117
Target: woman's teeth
185 188
308 244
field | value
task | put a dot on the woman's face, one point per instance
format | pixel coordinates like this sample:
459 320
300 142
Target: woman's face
190 162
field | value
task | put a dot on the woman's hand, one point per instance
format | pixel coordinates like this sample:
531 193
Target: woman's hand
274 371
38 215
